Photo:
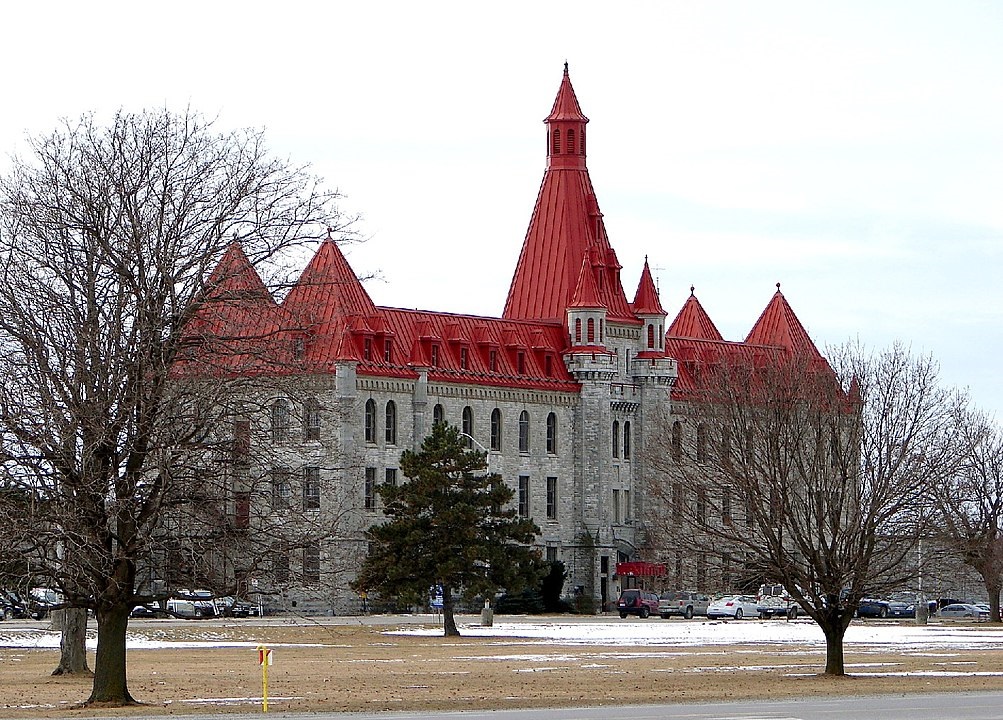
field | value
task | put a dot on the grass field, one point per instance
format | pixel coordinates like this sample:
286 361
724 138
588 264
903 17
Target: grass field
178 668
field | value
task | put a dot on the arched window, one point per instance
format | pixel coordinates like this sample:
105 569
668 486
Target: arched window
467 425
524 432
370 421
557 142
578 330
571 142
311 419
677 441
280 420
391 424
591 331
651 335
552 434
626 440
616 438
438 415
581 143
496 429
701 443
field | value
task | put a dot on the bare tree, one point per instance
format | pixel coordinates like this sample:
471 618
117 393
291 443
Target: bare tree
969 504
808 476
107 238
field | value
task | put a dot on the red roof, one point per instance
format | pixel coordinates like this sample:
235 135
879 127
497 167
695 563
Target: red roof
566 226
779 326
693 322
646 300
566 107
586 291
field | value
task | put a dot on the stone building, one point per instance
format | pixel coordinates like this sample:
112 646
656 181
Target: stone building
568 391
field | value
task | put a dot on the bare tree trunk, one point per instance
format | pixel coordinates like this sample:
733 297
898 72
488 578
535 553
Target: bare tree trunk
448 622
834 628
110 686
72 642
993 588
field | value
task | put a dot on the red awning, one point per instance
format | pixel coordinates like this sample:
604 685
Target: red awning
644 569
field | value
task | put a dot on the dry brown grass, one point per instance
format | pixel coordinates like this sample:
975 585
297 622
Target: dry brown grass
357 668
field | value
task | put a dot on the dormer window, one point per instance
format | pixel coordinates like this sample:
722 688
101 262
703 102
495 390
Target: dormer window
548 366
493 361
435 356
367 349
387 350
299 348
521 363
464 359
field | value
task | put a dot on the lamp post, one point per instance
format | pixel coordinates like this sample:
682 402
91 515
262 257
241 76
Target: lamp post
487 614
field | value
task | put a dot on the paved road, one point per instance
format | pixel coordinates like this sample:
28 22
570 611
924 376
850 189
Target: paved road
953 706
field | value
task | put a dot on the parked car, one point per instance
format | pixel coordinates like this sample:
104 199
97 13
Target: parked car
872 608
963 611
230 606
637 602
43 601
773 600
901 609
734 606
682 602
148 610
203 604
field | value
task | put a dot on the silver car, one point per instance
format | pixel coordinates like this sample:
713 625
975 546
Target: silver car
734 606
682 602
963 611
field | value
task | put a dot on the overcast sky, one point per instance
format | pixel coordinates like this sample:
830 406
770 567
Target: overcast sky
851 151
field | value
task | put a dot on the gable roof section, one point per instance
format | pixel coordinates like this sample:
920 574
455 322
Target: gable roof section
471 350
779 326
693 322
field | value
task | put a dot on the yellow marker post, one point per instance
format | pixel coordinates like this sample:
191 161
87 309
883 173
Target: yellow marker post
264 660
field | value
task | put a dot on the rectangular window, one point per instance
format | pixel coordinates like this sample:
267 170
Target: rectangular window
311 563
726 506
464 359
311 488
548 366
493 361
242 510
521 363
616 506
551 498
370 496
281 487
677 501
367 349
702 506
280 565
387 350
524 496
626 506
390 477
551 553
241 441
435 356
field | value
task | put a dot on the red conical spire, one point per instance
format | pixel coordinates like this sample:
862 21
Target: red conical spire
779 326
566 226
694 322
586 291
646 300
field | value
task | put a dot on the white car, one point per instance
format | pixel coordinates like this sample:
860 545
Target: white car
734 606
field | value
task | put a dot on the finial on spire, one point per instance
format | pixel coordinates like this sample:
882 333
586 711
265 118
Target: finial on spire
329 231
692 288
565 67
778 287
